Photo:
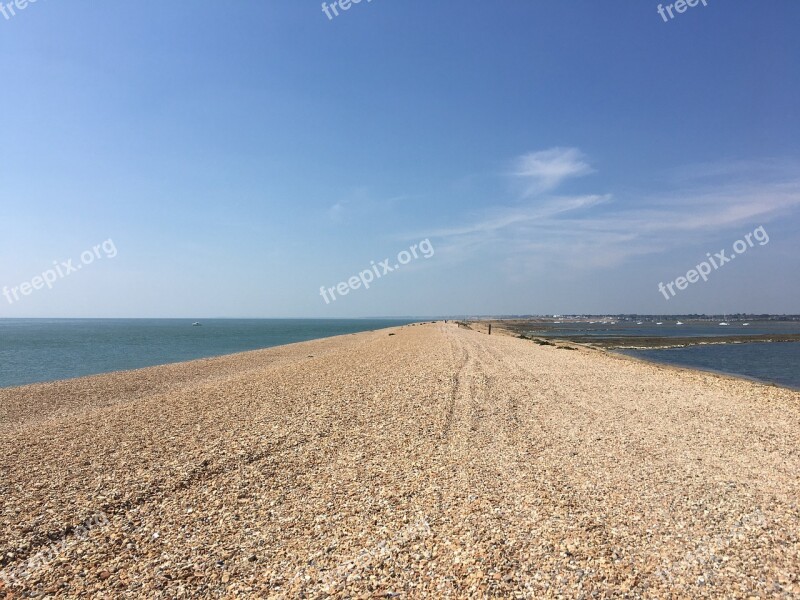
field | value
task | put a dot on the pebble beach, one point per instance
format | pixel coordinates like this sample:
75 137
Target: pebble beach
422 461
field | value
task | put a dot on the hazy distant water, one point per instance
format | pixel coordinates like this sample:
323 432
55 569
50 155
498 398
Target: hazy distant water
773 362
667 329
34 350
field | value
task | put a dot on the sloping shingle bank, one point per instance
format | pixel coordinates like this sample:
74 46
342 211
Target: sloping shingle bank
437 462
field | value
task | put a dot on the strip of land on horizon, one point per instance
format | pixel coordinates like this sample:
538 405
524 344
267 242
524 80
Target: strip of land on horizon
417 461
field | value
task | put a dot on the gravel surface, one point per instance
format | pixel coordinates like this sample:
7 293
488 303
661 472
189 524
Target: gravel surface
435 462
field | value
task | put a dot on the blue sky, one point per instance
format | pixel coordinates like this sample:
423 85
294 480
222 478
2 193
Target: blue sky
561 157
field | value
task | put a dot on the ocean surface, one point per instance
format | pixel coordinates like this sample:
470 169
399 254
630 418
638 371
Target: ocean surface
777 362
771 362
667 329
36 350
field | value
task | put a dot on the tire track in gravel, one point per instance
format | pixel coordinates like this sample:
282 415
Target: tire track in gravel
531 500
493 488
527 439
493 413
600 453
463 362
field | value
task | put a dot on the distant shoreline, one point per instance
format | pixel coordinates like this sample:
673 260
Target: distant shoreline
647 343
522 328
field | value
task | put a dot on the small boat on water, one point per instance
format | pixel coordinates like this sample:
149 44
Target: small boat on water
638 322
678 323
724 324
659 323
745 324
196 324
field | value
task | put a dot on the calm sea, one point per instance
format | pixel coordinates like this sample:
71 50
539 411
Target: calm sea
772 362
777 362
666 329
34 350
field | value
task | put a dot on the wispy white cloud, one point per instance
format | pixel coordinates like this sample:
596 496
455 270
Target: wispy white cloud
547 169
596 230
360 203
502 218
336 211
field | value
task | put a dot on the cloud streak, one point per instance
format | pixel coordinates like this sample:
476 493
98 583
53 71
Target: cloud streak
545 170
601 230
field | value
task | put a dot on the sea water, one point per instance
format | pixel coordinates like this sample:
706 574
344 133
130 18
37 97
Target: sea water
35 350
